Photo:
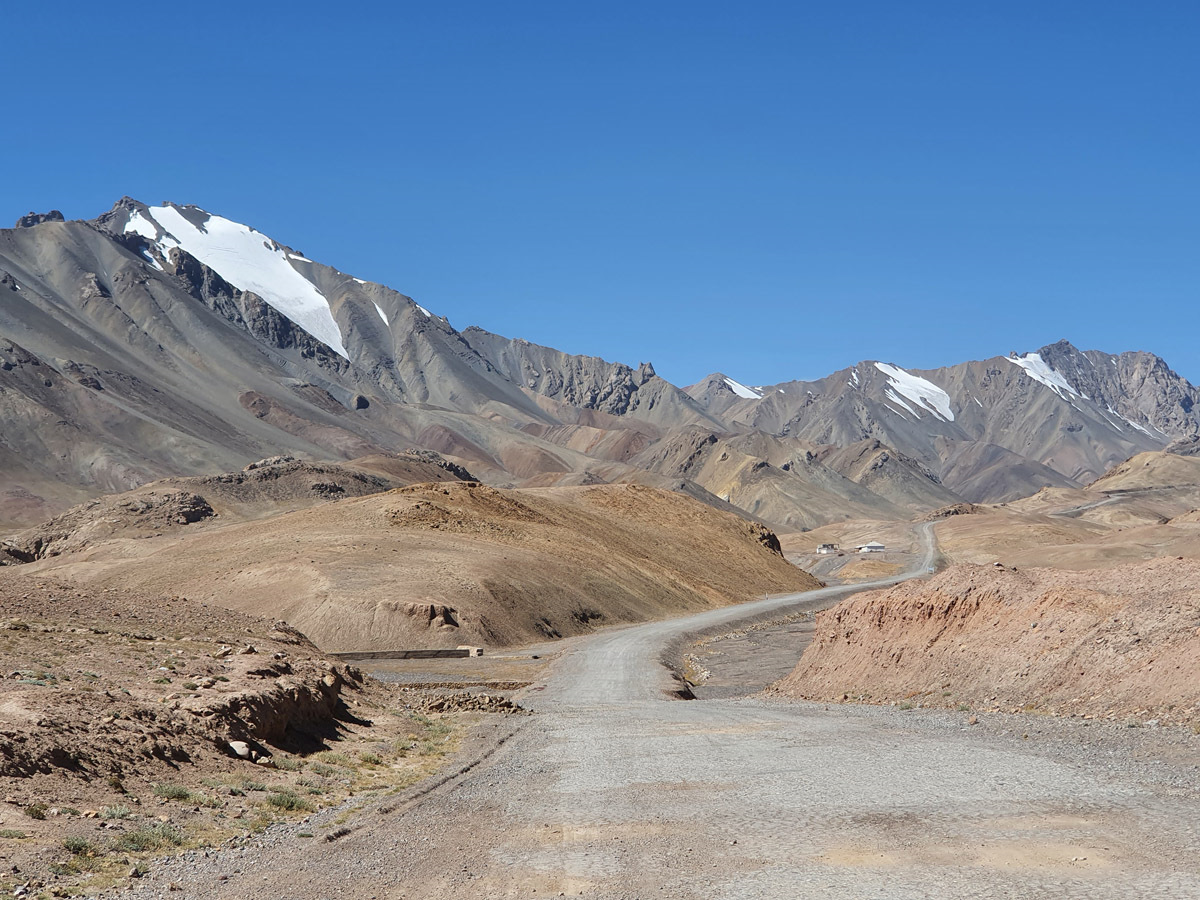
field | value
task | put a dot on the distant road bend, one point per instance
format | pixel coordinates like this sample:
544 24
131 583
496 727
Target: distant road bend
622 664
614 791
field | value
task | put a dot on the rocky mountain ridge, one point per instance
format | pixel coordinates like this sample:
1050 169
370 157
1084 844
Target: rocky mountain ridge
160 341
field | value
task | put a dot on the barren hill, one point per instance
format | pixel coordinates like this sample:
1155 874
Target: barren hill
264 488
1150 470
459 562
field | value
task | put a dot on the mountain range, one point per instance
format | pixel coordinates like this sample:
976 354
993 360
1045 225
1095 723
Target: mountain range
164 341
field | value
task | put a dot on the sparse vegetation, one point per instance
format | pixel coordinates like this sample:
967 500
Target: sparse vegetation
12 833
172 792
151 837
115 812
288 800
36 811
80 846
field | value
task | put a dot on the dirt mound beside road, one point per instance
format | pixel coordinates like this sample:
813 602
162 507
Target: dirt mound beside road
1109 644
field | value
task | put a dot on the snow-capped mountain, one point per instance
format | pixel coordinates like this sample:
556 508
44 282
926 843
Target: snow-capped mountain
1064 411
159 340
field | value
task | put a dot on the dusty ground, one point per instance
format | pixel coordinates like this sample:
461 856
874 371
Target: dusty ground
116 713
611 791
456 563
1119 644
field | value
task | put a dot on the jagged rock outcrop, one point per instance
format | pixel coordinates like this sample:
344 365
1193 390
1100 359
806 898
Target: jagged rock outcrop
33 218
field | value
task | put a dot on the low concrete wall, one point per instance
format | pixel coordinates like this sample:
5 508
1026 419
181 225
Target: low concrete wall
461 653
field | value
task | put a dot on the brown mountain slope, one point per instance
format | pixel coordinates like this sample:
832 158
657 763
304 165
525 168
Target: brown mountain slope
1150 470
897 478
440 565
1106 644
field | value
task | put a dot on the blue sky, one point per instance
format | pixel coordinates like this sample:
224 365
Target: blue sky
772 190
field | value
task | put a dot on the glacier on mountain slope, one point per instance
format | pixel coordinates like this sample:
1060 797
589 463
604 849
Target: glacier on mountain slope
1039 370
895 398
925 394
742 391
248 260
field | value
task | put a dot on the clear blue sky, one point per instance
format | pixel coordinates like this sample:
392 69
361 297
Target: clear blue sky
773 190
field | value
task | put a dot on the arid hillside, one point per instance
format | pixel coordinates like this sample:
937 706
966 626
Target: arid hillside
1117 644
435 565
1146 471
134 724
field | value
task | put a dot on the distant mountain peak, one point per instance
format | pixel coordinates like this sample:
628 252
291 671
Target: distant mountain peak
247 259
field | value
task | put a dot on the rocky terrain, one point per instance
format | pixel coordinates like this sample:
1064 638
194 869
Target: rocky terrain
1121 644
135 724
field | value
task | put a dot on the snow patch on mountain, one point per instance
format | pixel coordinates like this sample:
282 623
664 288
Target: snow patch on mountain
1039 370
382 315
895 398
925 394
248 260
428 314
742 391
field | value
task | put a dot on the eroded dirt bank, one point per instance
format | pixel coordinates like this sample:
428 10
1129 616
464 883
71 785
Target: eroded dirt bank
132 725
1117 644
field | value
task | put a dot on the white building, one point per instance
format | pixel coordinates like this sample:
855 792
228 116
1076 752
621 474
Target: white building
872 547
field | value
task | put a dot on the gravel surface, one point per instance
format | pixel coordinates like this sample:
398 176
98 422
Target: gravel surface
613 791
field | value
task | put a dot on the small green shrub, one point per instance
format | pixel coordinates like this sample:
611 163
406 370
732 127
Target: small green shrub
152 837
36 811
289 801
191 686
13 833
116 812
371 759
172 792
80 846
333 758
289 764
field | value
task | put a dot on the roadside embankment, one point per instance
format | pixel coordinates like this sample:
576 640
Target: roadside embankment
1117 644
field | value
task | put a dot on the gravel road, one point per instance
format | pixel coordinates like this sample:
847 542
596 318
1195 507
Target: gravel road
614 791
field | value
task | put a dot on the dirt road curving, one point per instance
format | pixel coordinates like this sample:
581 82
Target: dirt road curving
613 791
